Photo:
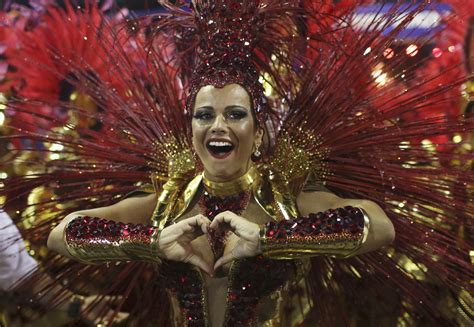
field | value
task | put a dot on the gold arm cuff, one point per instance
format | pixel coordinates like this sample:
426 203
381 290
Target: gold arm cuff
101 249
338 244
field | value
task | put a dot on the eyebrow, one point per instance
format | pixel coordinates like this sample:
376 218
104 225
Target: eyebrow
232 106
236 106
205 108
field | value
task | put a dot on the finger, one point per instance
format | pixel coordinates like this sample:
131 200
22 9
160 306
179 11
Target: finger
199 262
225 259
190 225
205 219
223 218
205 222
170 234
199 222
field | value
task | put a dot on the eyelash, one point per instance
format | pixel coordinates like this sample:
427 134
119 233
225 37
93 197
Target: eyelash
203 116
237 114
232 115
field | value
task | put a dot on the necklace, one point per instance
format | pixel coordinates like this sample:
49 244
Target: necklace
232 187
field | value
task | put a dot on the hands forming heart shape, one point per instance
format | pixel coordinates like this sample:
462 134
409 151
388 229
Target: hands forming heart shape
175 240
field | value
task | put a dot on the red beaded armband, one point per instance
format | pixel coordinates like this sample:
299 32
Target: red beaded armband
337 232
93 240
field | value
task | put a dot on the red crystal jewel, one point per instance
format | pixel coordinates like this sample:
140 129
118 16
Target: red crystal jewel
211 206
333 221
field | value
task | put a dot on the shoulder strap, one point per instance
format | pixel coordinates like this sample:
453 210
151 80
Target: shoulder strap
174 199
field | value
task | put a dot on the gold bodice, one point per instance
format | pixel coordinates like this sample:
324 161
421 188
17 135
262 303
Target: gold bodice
258 289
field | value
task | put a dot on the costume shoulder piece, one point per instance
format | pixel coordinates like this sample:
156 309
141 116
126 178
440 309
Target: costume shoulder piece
96 109
299 159
176 189
174 163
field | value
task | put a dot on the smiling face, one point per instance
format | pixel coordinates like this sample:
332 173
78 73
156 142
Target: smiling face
224 131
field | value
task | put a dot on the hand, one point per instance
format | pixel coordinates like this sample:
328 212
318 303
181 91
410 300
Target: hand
248 244
175 241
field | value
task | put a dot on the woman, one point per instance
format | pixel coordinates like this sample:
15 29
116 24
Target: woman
225 134
217 227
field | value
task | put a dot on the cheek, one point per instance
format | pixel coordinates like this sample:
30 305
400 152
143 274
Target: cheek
246 135
197 130
197 135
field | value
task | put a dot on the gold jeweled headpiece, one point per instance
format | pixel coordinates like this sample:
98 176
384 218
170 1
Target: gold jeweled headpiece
235 47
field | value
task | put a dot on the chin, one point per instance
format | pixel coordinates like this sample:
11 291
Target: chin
222 173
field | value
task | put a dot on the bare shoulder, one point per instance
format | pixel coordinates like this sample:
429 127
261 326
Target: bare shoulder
316 201
147 201
381 230
137 210
321 201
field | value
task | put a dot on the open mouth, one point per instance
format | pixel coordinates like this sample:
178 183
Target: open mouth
220 149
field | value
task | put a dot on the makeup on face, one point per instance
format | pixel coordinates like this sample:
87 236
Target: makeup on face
224 130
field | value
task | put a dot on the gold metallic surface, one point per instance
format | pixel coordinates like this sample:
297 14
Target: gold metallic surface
234 186
339 245
177 196
180 161
468 90
262 193
292 301
93 251
85 118
298 156
174 200
465 309
147 188
285 201
164 205
187 196
272 193
177 192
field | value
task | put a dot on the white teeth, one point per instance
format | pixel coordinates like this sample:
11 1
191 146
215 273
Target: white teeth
215 143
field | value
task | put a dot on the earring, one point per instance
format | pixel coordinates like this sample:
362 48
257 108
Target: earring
257 152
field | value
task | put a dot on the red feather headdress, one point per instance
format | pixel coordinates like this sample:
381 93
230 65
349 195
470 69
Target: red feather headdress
334 121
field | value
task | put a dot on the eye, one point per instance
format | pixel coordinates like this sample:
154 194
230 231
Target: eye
203 115
236 114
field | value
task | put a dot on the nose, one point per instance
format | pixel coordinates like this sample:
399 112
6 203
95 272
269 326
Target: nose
219 125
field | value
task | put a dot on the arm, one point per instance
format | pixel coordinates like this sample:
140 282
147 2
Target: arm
298 240
381 231
137 210
119 233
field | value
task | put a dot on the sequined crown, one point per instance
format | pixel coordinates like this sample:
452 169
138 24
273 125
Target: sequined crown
229 33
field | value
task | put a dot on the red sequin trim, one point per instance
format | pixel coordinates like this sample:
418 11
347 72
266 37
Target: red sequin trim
84 229
333 223
211 206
